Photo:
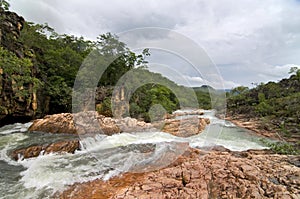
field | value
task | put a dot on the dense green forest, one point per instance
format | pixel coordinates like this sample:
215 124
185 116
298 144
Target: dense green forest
38 67
275 103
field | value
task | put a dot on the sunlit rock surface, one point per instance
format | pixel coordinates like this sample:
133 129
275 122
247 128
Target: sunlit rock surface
203 174
92 122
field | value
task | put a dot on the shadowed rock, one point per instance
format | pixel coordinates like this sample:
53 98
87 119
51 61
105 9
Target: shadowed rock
57 147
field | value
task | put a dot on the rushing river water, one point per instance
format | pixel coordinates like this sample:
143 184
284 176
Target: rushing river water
102 157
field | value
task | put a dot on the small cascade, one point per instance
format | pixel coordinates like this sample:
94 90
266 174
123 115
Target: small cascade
101 156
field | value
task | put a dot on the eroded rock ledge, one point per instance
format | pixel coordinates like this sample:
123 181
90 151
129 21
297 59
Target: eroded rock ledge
198 174
92 122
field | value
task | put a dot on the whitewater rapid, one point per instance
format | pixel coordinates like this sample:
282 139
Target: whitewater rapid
103 156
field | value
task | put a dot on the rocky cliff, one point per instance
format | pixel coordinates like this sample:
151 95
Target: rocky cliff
11 25
14 108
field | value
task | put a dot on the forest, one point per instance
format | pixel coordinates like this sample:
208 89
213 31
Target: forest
276 104
39 66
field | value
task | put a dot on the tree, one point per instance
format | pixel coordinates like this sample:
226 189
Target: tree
4 5
120 56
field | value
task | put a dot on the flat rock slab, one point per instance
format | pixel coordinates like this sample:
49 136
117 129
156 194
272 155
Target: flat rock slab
216 174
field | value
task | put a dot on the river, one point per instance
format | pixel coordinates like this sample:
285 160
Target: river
102 157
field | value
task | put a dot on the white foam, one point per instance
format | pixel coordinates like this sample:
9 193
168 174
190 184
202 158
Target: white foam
123 139
9 142
13 128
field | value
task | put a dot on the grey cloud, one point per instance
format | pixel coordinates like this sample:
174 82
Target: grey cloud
241 37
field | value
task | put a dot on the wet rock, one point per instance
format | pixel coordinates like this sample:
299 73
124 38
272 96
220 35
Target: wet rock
58 147
217 174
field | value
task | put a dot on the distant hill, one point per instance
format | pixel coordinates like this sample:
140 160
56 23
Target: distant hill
204 88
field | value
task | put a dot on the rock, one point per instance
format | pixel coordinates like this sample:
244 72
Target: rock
184 113
10 26
133 125
14 108
58 123
57 147
79 123
90 122
185 127
213 175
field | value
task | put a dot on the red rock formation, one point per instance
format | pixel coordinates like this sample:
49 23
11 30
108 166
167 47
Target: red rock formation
92 122
203 175
79 123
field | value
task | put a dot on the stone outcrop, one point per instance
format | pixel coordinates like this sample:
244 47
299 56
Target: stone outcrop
58 123
92 122
79 123
57 147
184 113
10 26
14 108
185 127
202 174
190 112
128 124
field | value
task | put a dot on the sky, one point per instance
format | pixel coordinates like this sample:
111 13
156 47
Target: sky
246 41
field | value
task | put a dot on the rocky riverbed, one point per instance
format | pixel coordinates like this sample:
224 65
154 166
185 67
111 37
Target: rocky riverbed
219 173
91 122
200 172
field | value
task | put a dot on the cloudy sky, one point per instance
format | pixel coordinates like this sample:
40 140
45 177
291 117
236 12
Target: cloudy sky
249 41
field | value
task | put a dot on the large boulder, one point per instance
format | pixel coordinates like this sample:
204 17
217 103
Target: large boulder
78 123
69 146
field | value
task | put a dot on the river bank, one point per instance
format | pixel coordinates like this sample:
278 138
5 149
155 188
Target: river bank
256 125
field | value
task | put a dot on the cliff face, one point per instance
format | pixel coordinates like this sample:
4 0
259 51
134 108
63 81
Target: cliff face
14 108
10 26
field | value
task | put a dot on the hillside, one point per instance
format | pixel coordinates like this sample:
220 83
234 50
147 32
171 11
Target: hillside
275 104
